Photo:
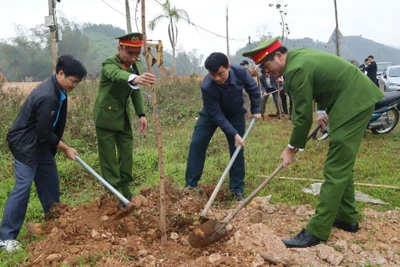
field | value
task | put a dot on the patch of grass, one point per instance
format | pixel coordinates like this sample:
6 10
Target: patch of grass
18 258
89 259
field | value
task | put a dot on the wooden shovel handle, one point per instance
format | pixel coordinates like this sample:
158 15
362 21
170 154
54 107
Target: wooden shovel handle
262 185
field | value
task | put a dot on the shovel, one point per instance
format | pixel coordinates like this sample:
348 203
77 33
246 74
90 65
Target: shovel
214 230
203 214
129 207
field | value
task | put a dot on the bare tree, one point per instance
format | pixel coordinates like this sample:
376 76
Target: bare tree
173 15
283 9
263 33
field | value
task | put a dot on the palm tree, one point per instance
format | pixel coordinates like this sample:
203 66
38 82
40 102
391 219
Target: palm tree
173 15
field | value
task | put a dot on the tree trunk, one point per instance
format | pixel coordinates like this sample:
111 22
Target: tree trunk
173 61
157 123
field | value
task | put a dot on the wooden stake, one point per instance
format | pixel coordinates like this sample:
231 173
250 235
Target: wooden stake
318 180
158 130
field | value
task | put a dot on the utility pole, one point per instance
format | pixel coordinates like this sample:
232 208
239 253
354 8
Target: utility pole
128 17
337 32
136 19
227 33
51 22
249 44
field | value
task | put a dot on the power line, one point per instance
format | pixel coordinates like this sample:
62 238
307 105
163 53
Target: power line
198 26
120 11
113 8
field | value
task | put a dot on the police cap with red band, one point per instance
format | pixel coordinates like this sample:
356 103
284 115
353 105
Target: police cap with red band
133 39
265 48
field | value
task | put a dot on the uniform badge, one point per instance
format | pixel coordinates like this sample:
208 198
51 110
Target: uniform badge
135 39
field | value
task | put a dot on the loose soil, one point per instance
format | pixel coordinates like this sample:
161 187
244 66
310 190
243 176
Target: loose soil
88 236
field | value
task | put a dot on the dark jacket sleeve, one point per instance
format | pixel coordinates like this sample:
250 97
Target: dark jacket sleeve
45 117
212 107
253 91
371 67
274 83
263 84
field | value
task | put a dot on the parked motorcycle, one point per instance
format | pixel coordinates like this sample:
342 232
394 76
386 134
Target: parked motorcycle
383 120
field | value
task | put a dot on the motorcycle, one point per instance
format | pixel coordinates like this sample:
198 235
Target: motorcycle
383 120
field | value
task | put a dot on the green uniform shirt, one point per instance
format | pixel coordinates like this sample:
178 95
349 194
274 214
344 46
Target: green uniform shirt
337 86
115 97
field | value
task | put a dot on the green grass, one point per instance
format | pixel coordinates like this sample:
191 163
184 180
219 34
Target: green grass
377 163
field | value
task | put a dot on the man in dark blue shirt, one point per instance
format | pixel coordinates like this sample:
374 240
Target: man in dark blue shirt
33 139
222 107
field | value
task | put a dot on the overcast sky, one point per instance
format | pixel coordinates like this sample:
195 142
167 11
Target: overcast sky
375 20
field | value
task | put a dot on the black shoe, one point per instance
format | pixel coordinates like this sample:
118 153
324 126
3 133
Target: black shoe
302 240
239 196
189 187
348 227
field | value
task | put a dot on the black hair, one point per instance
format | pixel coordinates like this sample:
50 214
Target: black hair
71 66
366 59
215 61
262 71
370 56
353 61
282 50
244 62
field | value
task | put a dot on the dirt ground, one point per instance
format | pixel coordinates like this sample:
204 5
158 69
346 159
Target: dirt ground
88 236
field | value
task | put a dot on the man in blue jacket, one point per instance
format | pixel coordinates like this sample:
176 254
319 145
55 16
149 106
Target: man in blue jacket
222 107
33 140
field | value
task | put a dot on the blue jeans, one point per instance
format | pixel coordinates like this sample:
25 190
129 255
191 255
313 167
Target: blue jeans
203 132
45 175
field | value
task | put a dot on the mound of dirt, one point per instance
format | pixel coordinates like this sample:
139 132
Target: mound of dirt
88 235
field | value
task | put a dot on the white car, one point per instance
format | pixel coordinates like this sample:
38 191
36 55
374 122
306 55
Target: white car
381 66
390 79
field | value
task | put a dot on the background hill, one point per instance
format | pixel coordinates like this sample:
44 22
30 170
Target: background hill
354 48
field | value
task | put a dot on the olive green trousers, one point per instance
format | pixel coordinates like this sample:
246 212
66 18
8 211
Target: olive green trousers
115 150
337 197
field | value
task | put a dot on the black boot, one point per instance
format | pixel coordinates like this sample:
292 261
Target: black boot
302 240
348 227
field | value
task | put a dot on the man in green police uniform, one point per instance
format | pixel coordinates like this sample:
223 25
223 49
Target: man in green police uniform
348 96
121 75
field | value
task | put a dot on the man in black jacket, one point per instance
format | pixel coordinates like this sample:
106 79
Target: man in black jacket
371 70
33 140
364 65
268 85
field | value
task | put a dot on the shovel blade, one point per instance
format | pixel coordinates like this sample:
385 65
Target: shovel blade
208 233
129 209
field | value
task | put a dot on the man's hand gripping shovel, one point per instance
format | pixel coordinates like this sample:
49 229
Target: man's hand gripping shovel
214 230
